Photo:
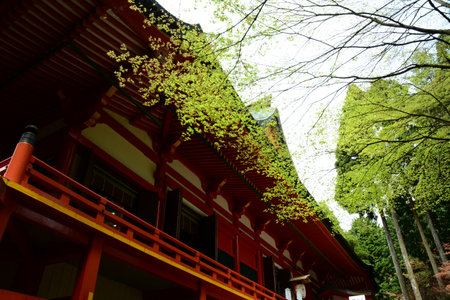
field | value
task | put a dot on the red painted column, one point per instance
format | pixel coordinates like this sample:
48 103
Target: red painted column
66 155
201 291
22 154
160 211
160 184
237 259
87 274
259 266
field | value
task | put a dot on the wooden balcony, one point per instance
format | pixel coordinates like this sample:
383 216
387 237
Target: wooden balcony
56 191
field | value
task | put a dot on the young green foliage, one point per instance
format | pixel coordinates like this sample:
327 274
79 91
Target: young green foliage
394 141
369 243
184 74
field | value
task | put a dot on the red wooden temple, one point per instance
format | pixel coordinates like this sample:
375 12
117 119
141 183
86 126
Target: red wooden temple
106 203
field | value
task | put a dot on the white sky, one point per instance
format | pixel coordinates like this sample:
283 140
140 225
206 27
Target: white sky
315 168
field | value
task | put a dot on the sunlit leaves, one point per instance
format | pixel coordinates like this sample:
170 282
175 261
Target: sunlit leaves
394 141
183 73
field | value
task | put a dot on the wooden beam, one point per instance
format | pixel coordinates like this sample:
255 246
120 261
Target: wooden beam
167 123
260 225
283 245
213 188
78 109
66 230
239 208
297 257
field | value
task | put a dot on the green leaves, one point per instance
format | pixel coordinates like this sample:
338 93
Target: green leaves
184 73
369 243
394 141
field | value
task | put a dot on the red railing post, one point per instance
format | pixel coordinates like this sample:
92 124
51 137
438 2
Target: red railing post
100 217
22 154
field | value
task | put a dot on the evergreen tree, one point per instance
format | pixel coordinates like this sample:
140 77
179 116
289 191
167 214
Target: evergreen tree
368 241
394 150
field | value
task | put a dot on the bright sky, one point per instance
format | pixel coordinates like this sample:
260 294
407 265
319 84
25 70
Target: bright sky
314 164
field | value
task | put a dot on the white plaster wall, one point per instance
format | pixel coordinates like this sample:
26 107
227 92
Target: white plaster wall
199 197
222 203
139 133
112 143
194 208
270 240
246 221
287 254
186 173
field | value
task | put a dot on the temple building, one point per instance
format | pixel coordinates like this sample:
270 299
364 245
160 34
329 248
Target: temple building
102 199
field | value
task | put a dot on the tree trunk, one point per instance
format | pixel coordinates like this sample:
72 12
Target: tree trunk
427 247
412 278
436 239
394 256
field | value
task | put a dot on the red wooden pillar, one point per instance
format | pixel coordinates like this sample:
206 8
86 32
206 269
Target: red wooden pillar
66 155
160 211
259 225
237 259
201 291
87 274
160 184
259 266
22 154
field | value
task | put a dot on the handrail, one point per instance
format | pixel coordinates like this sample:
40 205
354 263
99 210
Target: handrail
56 186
